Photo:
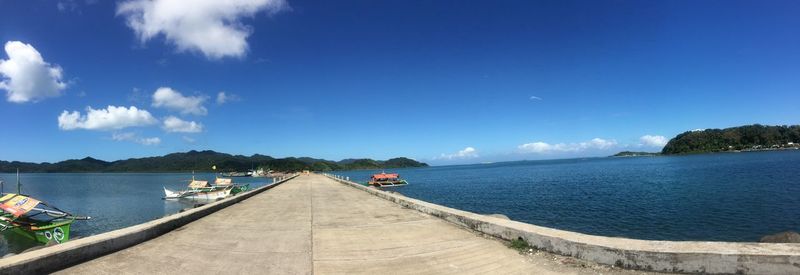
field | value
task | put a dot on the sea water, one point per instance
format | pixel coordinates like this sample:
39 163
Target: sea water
112 200
737 197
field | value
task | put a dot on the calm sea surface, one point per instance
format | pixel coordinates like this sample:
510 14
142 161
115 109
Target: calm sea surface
113 200
715 197
720 197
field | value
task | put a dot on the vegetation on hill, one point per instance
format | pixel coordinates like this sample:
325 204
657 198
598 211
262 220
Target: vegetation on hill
742 138
203 161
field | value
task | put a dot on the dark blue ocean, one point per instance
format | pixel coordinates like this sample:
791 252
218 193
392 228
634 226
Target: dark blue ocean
113 200
718 197
710 197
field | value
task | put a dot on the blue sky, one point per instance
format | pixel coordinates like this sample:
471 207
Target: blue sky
438 81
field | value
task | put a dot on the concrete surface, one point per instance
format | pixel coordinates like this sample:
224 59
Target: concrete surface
312 224
55 257
667 256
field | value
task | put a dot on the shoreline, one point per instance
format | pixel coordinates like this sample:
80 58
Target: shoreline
422 167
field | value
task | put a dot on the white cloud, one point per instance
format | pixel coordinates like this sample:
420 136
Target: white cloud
543 147
149 141
598 143
533 97
168 98
132 137
467 153
212 27
176 125
111 118
539 147
654 141
26 76
223 97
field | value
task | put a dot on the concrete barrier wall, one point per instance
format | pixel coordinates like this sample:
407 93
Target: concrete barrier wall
64 255
665 256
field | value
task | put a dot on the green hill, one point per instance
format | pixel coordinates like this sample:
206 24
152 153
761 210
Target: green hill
203 161
742 138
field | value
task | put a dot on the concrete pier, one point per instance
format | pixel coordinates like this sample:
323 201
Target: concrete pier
312 224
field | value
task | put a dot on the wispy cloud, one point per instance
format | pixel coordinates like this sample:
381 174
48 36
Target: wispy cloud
533 97
188 139
211 27
223 97
540 147
67 5
26 76
466 153
111 118
72 5
132 137
138 96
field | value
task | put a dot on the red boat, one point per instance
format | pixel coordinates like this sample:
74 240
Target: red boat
386 180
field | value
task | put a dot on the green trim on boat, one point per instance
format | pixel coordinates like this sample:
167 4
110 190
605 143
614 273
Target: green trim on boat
51 232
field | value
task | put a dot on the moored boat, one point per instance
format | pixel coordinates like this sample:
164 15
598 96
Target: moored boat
236 188
27 219
199 190
261 172
386 180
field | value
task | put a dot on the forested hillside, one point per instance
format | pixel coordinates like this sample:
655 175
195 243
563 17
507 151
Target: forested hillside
749 137
203 161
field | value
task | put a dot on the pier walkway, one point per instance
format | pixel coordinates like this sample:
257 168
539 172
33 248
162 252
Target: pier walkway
314 225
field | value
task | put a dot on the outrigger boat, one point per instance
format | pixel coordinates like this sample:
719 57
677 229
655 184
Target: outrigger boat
237 188
386 180
225 182
200 190
28 219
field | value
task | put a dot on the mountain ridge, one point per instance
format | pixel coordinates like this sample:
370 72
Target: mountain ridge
203 161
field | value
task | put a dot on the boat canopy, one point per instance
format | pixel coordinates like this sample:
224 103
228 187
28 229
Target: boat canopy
384 176
198 184
17 205
222 181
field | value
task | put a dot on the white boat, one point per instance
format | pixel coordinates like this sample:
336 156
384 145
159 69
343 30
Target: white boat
200 190
261 173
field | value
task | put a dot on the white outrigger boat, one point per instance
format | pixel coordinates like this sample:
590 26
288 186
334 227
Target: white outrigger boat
200 190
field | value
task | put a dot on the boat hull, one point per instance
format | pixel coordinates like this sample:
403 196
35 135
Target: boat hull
239 189
388 183
205 195
57 232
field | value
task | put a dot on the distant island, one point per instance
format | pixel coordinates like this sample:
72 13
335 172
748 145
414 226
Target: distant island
202 161
754 137
635 154
745 138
